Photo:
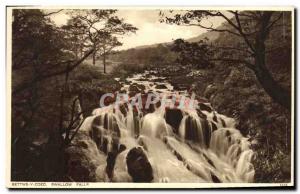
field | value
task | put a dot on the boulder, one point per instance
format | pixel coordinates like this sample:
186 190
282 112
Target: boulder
83 158
138 165
136 88
161 86
173 117
205 107
210 90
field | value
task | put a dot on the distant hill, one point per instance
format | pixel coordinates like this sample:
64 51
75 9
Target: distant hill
211 35
152 45
156 53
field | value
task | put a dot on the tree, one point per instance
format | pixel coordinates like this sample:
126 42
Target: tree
97 25
37 54
196 54
75 36
105 46
253 29
37 49
41 66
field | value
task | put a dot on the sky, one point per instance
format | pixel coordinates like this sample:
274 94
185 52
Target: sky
150 30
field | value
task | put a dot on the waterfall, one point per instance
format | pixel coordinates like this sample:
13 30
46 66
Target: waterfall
198 145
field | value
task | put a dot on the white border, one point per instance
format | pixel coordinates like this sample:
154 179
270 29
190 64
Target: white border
142 185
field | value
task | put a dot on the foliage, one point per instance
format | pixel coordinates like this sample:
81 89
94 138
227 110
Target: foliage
147 57
48 85
235 91
253 28
97 30
196 54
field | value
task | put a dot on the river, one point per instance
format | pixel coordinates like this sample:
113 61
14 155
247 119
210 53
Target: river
165 142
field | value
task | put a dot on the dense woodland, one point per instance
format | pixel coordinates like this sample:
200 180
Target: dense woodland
243 67
48 83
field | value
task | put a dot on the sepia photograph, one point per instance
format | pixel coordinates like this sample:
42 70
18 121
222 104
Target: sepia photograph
150 97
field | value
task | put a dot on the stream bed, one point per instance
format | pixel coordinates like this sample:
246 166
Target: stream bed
164 142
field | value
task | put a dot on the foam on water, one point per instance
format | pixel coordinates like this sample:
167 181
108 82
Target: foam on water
205 149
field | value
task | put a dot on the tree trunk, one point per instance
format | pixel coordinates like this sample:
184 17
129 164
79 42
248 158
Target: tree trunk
62 103
76 54
104 62
272 87
94 57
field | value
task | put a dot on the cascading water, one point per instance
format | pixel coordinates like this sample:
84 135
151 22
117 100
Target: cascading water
167 144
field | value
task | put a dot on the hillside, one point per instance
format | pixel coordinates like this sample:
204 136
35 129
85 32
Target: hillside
212 36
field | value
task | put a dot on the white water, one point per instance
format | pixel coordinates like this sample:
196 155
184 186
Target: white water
175 157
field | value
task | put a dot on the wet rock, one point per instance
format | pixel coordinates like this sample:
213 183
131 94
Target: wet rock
215 118
141 87
105 132
214 126
97 132
82 144
131 93
148 75
110 123
123 91
109 100
215 179
201 114
192 132
223 122
136 88
123 108
159 79
173 117
210 90
104 144
127 82
137 129
82 159
206 131
209 160
111 160
198 132
179 87
205 107
133 89
143 79
139 168
161 86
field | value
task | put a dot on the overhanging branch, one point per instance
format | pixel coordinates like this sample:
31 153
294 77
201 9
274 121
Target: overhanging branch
43 77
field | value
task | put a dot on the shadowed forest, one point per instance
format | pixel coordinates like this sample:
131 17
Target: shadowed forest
239 71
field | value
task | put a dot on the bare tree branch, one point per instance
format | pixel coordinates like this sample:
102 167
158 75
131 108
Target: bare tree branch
51 13
275 20
213 29
44 77
240 29
75 132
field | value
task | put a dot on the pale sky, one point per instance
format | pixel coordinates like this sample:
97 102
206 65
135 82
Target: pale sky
150 30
